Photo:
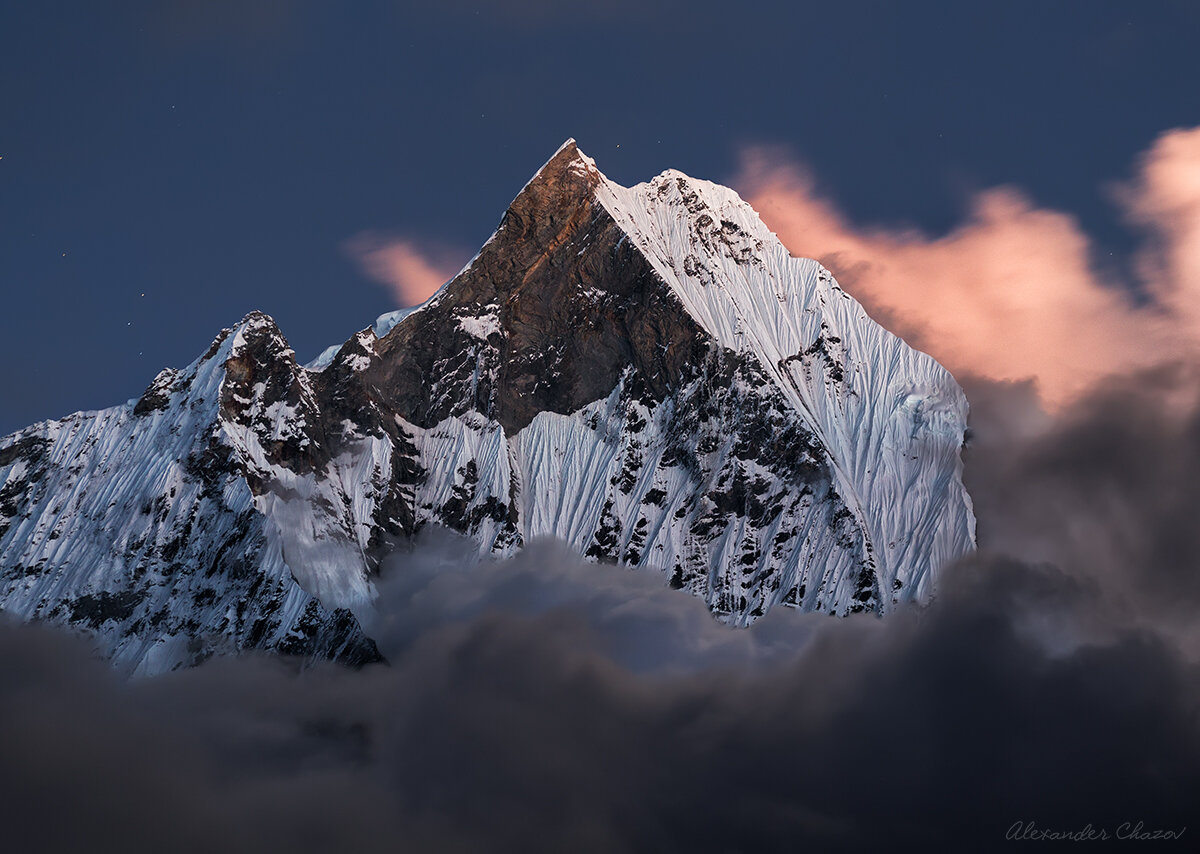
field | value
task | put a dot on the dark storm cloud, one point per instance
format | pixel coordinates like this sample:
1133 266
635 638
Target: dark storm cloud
1108 492
546 704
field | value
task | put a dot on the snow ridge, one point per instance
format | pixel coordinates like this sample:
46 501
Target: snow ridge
891 417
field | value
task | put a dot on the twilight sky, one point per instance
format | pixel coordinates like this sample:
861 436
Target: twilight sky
169 166
1013 186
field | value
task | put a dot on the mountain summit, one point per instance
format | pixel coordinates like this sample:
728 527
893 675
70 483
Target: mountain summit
643 372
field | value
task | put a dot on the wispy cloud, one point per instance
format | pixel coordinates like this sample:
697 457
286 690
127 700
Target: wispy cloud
1012 293
413 272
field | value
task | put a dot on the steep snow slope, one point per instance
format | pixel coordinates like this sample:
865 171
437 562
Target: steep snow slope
890 417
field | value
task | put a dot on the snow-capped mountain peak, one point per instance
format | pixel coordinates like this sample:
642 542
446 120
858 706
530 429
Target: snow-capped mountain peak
643 372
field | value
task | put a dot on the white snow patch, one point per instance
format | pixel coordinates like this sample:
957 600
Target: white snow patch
481 326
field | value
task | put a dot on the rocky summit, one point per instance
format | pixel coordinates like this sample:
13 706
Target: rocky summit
644 373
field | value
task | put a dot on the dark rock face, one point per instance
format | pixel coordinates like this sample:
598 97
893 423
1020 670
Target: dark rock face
261 380
574 303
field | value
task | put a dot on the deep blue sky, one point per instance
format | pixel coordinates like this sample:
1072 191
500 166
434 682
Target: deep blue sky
216 155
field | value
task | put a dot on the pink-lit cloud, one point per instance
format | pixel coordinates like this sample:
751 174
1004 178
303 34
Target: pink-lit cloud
412 272
1165 198
1011 293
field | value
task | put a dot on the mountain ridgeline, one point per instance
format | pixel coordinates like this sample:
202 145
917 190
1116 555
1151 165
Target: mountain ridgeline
644 373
